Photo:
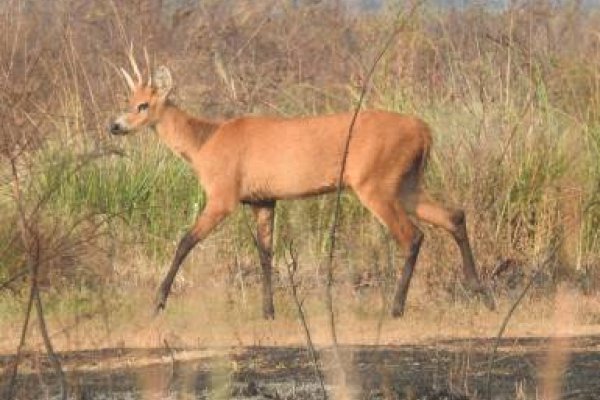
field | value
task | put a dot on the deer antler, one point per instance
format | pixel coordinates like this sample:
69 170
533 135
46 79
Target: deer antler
128 79
148 67
136 70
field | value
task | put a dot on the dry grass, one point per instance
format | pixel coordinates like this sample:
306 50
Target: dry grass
208 318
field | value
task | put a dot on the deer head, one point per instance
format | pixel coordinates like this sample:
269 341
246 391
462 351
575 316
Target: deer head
146 100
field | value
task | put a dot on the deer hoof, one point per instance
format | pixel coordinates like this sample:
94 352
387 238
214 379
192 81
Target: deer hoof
159 303
484 294
269 313
487 298
398 311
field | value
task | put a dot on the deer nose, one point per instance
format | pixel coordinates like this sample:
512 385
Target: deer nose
114 128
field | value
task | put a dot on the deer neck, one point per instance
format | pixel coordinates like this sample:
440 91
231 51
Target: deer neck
182 133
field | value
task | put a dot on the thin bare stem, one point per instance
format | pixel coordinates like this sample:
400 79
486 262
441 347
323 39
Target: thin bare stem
10 392
31 243
54 360
549 256
337 208
292 267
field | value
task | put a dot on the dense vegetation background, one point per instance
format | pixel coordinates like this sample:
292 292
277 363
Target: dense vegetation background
512 94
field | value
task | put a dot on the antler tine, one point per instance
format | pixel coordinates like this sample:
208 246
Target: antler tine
148 67
136 70
128 79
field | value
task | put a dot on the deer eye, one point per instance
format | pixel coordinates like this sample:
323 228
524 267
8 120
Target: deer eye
142 107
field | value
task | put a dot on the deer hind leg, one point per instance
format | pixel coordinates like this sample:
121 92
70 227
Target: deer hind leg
210 217
454 222
390 213
265 217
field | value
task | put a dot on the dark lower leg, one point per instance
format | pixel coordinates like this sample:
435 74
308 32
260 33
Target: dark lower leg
266 260
183 248
210 217
471 277
265 217
392 214
462 240
404 281
452 221
267 292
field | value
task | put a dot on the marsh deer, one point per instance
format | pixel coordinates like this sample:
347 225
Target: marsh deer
259 160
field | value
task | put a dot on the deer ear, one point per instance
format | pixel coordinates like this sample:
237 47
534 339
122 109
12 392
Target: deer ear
162 81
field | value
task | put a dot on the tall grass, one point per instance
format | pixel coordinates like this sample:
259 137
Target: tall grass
142 187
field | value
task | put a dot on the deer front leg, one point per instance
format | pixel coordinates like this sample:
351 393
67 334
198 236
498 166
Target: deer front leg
212 215
265 217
